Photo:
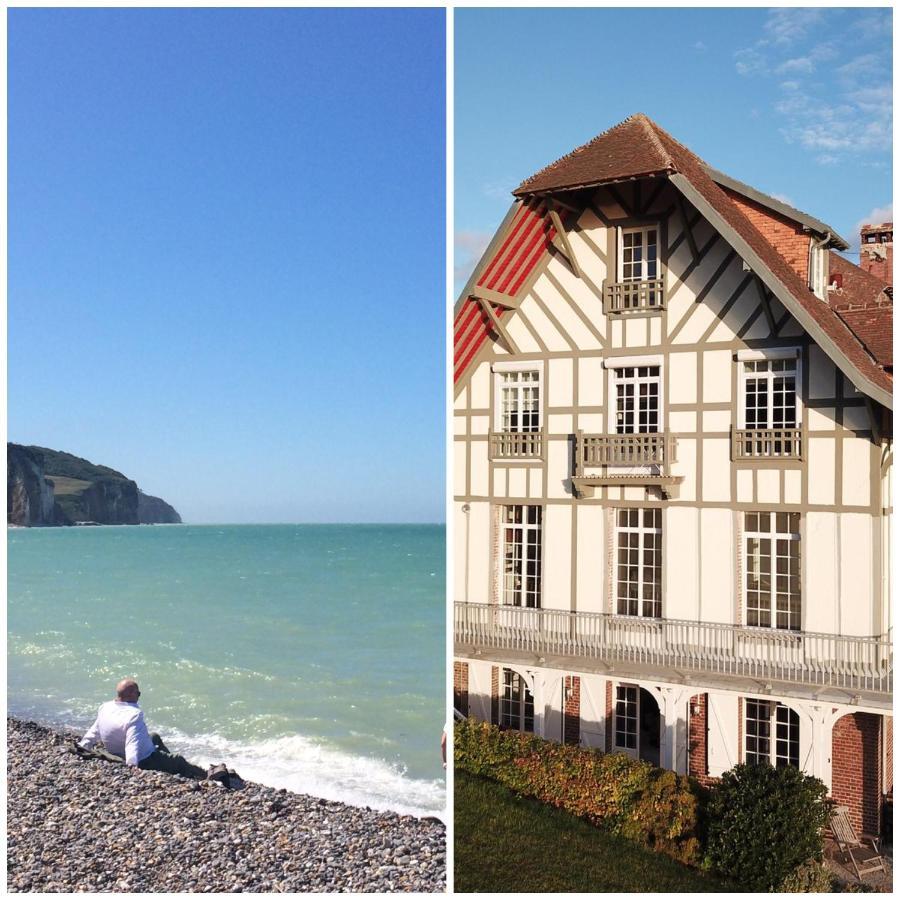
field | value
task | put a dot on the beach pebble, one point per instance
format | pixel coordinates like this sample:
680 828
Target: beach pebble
89 825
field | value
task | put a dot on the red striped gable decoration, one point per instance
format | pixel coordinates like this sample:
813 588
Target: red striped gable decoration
639 149
528 236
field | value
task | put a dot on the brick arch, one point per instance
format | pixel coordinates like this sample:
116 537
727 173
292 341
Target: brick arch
856 768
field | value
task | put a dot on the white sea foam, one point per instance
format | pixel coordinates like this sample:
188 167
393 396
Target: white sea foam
306 767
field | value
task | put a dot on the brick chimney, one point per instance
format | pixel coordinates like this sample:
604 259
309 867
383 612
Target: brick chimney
876 250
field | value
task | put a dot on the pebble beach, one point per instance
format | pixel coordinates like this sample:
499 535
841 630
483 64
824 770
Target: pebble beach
90 825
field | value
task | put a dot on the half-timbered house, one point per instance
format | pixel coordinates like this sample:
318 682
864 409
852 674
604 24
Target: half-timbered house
672 435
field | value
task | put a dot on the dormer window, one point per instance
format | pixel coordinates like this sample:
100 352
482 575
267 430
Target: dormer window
639 285
818 268
638 256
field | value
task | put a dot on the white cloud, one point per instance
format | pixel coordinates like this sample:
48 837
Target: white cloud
502 189
784 199
787 25
700 46
877 216
866 64
468 249
799 64
827 159
750 61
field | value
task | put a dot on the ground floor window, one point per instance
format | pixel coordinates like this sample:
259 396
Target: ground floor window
626 717
516 703
772 734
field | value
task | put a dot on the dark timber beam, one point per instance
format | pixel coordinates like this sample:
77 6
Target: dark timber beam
495 297
499 327
766 305
874 418
561 232
688 231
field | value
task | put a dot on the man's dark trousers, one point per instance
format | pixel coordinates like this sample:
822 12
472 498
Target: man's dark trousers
162 760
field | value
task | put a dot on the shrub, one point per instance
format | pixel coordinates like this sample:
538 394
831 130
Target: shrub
652 806
764 823
809 878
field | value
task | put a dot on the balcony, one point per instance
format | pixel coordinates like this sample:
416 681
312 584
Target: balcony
766 443
626 459
634 296
676 647
513 445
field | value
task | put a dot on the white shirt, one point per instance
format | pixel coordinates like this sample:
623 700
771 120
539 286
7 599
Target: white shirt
122 729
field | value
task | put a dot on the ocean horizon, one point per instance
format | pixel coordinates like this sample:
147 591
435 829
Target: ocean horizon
306 656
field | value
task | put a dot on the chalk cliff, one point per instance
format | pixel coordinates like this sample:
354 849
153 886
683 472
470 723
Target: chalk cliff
50 487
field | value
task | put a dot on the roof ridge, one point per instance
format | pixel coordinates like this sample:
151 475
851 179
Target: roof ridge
650 127
639 118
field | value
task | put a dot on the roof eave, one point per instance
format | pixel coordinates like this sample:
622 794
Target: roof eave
797 215
859 379
522 191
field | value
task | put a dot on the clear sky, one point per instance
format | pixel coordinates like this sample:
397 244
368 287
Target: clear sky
227 255
794 101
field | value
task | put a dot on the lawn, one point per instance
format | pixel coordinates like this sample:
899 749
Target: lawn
508 844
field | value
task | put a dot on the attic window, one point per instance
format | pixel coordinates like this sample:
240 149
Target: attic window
639 284
818 268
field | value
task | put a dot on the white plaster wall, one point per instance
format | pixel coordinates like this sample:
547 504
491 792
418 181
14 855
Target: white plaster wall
858 613
559 382
591 549
557 557
593 711
856 488
722 737
681 559
821 470
716 471
480 690
479 561
480 385
682 378
717 556
820 564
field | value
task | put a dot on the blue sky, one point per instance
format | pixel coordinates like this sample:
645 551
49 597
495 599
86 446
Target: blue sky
226 255
794 101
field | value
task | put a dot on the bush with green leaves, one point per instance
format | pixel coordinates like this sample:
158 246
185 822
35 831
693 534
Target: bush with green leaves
764 823
625 796
809 878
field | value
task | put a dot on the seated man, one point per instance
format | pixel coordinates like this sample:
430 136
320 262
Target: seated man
120 725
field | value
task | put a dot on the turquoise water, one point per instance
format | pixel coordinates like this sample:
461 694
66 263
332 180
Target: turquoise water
309 657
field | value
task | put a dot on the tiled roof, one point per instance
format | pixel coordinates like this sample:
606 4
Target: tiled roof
638 147
865 305
628 150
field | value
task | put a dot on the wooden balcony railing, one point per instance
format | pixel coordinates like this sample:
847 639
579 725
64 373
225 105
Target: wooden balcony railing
634 296
516 444
657 448
767 443
829 660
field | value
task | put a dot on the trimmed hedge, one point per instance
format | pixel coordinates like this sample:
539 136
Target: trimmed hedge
765 823
624 796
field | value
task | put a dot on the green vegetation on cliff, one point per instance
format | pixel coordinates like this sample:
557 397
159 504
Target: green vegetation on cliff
51 487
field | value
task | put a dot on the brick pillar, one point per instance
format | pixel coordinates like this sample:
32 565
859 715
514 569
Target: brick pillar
461 687
698 761
572 711
889 755
495 695
856 769
609 716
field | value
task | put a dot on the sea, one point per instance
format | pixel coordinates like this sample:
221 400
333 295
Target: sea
306 657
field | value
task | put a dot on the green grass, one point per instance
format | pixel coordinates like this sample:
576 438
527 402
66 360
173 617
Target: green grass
506 843
64 486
